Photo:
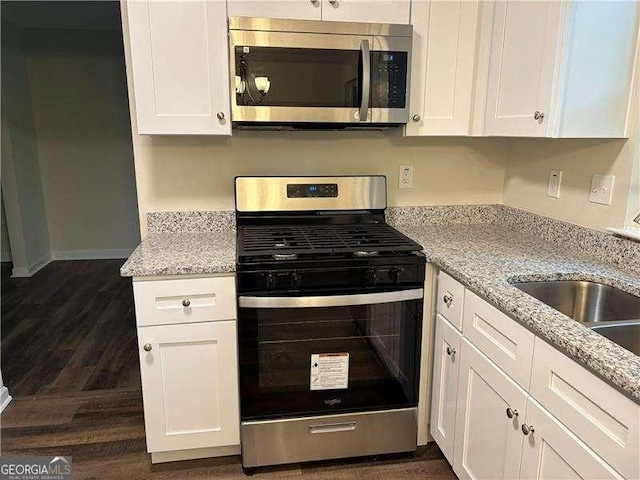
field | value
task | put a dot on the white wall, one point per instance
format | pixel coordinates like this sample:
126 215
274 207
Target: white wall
196 173
81 116
21 181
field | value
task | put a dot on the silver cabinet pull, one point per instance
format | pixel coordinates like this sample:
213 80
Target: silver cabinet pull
527 429
447 299
220 115
314 2
186 302
147 347
511 413
333 2
451 351
416 118
539 116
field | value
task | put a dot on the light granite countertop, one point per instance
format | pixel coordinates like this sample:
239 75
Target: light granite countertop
486 258
183 254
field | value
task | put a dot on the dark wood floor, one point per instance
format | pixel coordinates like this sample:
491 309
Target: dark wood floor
71 364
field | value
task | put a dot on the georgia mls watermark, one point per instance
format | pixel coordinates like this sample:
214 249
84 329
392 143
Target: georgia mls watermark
15 467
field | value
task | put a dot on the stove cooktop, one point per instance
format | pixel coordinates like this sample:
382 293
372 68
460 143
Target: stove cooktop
289 242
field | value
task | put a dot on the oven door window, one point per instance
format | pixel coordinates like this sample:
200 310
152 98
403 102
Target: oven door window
358 357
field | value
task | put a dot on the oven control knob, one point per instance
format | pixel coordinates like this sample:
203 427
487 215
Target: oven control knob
394 274
296 280
372 276
271 281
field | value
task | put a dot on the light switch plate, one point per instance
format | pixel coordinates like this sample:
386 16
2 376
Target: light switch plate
553 185
601 189
405 176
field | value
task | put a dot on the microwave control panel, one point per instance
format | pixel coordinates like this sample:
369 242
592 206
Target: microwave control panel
389 78
311 190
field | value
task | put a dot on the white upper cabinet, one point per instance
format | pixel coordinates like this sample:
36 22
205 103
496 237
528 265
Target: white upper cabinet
376 11
443 66
561 69
297 9
179 66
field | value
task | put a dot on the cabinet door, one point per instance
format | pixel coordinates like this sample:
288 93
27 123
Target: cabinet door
381 11
488 443
446 361
522 68
442 68
190 385
551 451
180 66
295 9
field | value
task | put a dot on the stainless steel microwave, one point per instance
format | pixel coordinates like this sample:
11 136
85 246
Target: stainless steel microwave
301 73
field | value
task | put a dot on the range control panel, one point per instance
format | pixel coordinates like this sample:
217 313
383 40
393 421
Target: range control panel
310 190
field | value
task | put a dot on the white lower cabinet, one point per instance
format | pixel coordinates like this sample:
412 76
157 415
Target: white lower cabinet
488 443
551 451
446 365
492 423
190 385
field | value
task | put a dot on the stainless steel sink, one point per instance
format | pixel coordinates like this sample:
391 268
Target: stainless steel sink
605 309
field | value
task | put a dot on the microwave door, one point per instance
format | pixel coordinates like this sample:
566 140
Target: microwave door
390 77
288 77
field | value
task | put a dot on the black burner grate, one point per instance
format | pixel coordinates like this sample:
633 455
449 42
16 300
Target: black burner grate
301 239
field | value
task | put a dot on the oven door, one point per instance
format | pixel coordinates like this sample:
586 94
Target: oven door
288 77
305 355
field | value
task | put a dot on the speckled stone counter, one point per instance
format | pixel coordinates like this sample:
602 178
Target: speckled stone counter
483 246
183 254
486 258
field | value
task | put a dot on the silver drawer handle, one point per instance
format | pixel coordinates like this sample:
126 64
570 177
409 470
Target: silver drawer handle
527 429
511 413
147 347
448 300
186 302
333 427
451 351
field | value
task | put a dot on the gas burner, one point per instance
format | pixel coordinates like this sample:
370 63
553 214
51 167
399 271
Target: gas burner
285 256
363 253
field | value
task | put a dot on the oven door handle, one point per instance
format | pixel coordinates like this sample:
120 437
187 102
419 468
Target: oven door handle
366 80
331 301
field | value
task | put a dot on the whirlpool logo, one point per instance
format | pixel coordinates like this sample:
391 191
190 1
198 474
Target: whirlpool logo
14 467
333 401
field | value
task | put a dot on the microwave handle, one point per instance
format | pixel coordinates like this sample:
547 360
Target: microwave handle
366 79
331 301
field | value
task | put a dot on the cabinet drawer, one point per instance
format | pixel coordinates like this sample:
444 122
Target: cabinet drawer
188 300
450 299
603 418
507 344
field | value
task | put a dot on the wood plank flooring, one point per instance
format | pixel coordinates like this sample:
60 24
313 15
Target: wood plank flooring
70 361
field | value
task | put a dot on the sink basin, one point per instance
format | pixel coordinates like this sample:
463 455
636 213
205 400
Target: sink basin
585 302
607 310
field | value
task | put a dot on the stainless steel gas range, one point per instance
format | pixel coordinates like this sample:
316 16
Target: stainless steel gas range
330 303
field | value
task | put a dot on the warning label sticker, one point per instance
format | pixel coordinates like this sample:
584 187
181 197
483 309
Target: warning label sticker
329 371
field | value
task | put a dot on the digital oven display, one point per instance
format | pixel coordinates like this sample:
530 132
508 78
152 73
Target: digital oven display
310 190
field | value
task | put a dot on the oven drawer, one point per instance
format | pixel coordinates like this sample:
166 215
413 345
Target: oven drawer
186 300
328 436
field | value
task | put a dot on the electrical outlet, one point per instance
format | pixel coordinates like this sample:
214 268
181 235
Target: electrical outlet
601 189
553 185
405 176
